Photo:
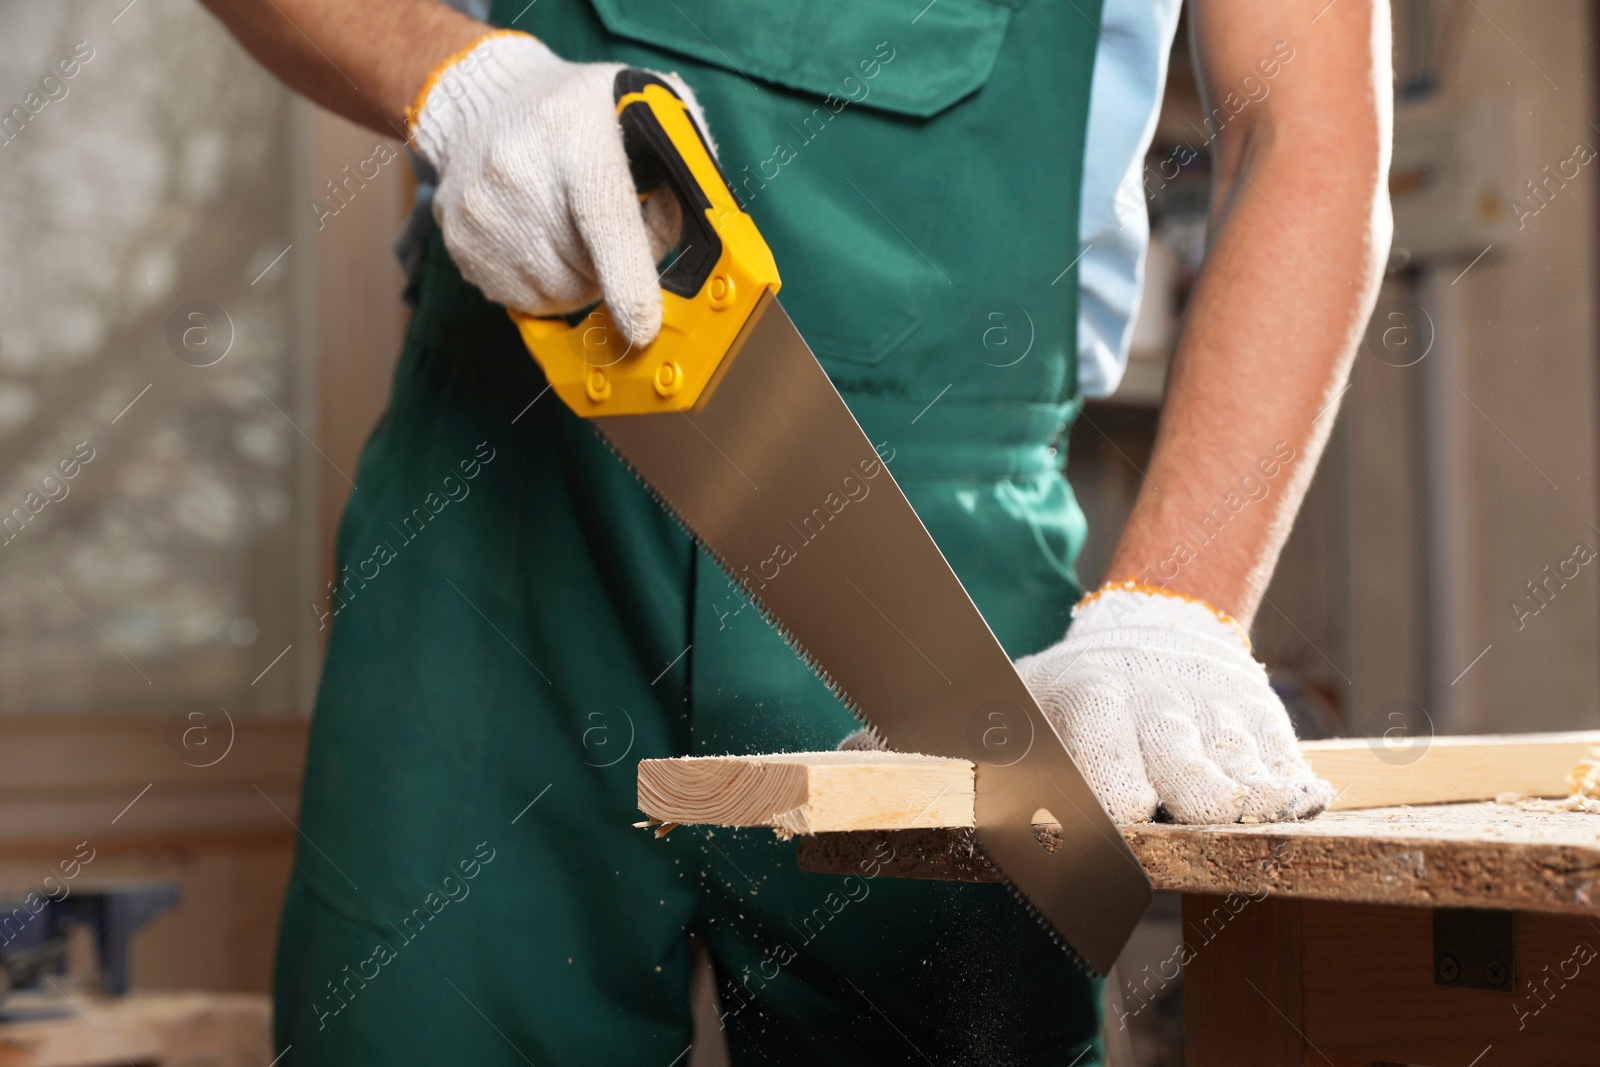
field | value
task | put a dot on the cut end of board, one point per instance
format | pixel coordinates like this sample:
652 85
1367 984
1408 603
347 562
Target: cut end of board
810 792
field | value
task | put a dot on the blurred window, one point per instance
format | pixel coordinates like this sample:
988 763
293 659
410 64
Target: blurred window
152 508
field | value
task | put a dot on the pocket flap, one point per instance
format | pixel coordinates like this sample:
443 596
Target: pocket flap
828 46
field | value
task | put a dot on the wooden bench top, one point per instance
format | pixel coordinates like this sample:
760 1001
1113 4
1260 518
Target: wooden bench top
1482 854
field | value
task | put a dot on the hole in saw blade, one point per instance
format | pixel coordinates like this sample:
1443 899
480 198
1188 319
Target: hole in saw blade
1046 830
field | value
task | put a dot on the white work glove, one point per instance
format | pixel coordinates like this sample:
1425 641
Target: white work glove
535 199
1159 701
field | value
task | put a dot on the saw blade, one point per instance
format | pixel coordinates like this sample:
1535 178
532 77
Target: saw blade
772 474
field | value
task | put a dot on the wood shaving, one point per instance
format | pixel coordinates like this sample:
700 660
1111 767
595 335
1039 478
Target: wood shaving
1575 802
1585 777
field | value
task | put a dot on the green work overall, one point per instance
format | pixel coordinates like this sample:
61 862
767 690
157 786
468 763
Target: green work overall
516 623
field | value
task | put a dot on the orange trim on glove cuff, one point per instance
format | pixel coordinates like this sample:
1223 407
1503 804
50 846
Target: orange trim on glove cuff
1133 585
439 72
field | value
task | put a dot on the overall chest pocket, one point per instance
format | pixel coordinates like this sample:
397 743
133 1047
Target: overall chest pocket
838 123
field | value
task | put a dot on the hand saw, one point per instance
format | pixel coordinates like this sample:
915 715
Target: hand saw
732 423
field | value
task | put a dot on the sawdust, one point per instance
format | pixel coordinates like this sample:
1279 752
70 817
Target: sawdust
1584 779
1576 802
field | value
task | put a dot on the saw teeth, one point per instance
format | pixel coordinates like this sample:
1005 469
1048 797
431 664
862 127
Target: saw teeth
1083 965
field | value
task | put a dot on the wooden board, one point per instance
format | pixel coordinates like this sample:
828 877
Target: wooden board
819 792
1480 854
809 792
1447 770
170 1029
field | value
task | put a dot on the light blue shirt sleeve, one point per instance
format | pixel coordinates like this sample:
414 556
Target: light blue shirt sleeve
1130 71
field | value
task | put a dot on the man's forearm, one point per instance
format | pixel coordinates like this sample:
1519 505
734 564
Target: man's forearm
363 59
1302 228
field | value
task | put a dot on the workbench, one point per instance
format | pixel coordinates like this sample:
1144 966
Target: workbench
1316 942
144 1029
1446 935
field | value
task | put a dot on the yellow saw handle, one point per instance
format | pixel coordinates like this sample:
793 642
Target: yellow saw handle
722 267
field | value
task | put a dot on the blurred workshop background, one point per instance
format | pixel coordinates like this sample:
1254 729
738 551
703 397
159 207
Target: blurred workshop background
199 314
